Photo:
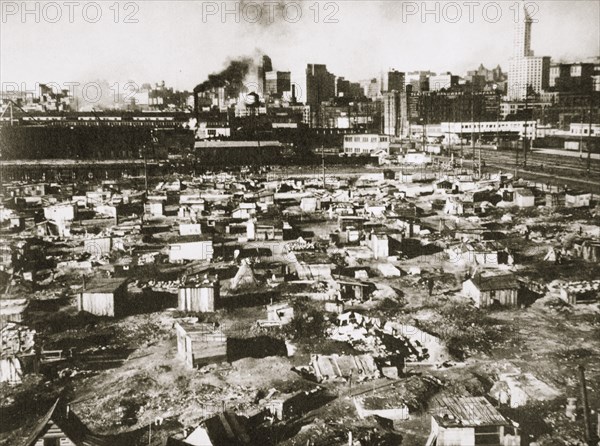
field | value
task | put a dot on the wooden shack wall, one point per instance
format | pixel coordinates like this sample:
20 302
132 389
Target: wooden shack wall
195 300
504 297
99 304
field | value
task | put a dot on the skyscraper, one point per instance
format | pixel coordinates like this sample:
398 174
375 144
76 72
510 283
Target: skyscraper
395 81
526 73
277 83
522 37
320 84
263 69
395 113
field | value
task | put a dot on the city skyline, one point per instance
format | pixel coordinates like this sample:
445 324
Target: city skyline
123 51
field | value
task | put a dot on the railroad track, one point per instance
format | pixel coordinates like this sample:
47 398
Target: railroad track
549 161
559 170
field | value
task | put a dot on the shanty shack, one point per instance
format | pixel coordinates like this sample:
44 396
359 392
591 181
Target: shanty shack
60 426
299 403
200 344
486 289
12 310
588 249
197 250
277 315
200 297
223 429
524 198
98 246
380 245
104 297
518 389
17 352
577 199
345 367
466 421
580 292
479 253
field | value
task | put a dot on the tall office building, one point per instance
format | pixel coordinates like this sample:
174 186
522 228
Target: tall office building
395 113
391 111
372 88
347 89
265 67
277 83
395 81
527 73
320 84
522 36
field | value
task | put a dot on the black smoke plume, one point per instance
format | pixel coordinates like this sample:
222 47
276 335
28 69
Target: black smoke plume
233 75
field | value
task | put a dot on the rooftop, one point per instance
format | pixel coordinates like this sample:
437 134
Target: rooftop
104 285
495 282
234 144
466 411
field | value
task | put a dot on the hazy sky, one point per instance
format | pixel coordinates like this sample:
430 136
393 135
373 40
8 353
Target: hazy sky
174 41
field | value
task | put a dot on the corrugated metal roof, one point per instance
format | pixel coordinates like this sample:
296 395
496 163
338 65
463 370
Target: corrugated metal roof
461 411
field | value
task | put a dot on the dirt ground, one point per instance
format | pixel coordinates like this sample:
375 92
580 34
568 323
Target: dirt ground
128 366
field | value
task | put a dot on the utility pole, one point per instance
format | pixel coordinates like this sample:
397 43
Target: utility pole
472 125
589 157
581 134
424 138
479 130
323 163
460 113
589 433
525 135
479 176
145 170
517 160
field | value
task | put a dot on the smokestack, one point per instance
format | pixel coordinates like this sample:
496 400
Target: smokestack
196 111
293 94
